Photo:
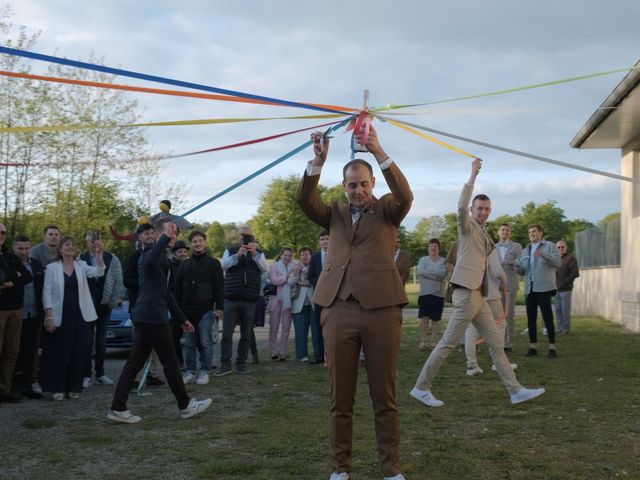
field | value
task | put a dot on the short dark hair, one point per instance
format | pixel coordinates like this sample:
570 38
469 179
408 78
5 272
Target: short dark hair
354 163
20 238
143 228
480 196
434 241
537 226
197 233
304 249
505 225
323 233
159 225
48 227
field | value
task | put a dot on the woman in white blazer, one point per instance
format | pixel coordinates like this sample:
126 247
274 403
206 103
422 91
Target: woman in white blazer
302 305
68 306
280 305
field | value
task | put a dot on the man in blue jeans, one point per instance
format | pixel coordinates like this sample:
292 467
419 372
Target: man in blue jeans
200 295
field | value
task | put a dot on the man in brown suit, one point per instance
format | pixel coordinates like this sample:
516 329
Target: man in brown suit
470 287
362 296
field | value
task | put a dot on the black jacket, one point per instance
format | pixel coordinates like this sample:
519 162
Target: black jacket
155 298
199 286
242 281
12 298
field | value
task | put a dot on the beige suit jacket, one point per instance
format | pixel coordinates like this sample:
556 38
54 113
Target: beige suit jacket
474 247
361 253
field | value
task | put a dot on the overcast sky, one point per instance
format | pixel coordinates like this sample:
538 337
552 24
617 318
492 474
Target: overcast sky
403 52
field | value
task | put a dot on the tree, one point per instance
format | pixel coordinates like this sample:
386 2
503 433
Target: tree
279 221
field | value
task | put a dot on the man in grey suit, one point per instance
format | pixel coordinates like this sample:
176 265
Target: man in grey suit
509 251
538 263
470 286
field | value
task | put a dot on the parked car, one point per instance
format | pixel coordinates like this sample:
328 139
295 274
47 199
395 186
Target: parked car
120 329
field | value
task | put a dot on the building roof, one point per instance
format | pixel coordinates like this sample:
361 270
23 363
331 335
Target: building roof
617 121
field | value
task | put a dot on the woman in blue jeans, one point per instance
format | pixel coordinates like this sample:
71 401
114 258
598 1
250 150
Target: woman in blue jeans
301 304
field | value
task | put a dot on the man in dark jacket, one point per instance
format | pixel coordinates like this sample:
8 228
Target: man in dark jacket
152 331
566 273
315 268
26 372
200 295
106 293
11 302
243 265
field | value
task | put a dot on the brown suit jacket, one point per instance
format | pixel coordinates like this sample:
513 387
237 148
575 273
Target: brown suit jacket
361 253
403 264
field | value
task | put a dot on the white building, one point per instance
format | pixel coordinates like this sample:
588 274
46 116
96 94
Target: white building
614 292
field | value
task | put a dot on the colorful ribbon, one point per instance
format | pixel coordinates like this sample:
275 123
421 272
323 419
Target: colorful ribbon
507 90
431 139
261 170
170 157
515 152
159 91
157 79
208 121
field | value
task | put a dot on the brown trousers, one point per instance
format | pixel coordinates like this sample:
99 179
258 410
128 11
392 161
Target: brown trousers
10 327
346 328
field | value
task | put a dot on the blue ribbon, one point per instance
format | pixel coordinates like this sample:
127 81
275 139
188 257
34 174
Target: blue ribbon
153 78
262 170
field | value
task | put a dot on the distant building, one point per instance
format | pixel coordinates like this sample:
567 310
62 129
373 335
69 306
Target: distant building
614 292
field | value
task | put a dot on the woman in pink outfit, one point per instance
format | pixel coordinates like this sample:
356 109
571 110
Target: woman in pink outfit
280 305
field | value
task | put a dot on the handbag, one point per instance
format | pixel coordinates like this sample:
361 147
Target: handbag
295 291
270 289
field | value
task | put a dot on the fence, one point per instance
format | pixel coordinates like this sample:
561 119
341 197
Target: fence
600 246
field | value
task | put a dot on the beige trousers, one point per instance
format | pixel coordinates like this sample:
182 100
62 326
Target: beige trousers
469 306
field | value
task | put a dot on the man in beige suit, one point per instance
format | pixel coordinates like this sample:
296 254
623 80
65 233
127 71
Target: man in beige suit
362 296
470 286
403 262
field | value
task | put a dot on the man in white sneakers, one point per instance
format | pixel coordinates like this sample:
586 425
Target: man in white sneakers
470 286
152 330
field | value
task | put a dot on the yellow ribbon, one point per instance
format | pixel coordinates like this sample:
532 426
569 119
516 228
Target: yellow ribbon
209 121
431 139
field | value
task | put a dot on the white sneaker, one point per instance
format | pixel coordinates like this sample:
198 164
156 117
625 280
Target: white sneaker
426 397
513 367
57 396
525 394
86 382
396 477
123 417
188 377
304 359
104 380
471 371
339 476
202 378
195 407
36 388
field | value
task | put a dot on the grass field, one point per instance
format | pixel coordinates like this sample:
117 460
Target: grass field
272 424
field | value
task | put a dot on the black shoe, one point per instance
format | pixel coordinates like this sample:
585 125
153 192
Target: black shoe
31 394
13 397
508 349
553 353
532 352
275 358
315 362
154 381
242 369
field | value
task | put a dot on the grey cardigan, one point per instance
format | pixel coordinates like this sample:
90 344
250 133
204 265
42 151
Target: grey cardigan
542 276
